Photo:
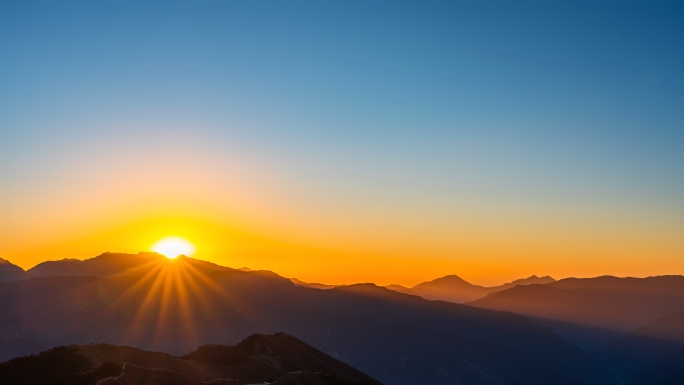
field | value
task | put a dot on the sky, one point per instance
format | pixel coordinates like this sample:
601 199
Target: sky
352 141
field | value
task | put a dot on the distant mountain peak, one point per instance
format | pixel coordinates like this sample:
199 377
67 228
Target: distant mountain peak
450 277
442 283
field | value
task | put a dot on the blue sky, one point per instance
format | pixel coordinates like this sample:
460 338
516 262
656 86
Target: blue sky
358 104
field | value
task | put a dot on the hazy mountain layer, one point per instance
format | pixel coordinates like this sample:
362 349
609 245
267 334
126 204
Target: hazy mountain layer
592 312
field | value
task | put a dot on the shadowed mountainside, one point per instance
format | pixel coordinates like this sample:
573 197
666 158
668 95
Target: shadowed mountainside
399 339
453 288
592 312
258 359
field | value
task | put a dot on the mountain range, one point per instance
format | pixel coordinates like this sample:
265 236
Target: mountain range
453 288
448 288
602 331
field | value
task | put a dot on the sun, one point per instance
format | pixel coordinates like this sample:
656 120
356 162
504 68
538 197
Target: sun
172 247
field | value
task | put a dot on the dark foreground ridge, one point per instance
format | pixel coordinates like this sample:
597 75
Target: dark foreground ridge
274 359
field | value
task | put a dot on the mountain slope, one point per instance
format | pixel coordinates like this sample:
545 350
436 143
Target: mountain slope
592 312
10 272
396 338
116 365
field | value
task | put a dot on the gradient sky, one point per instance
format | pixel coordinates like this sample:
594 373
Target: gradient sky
339 142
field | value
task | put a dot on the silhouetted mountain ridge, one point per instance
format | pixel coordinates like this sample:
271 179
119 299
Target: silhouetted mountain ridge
111 264
10 272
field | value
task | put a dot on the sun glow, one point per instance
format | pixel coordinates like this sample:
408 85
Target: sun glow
172 247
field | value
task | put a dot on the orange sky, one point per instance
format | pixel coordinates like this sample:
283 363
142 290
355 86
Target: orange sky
239 212
340 145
